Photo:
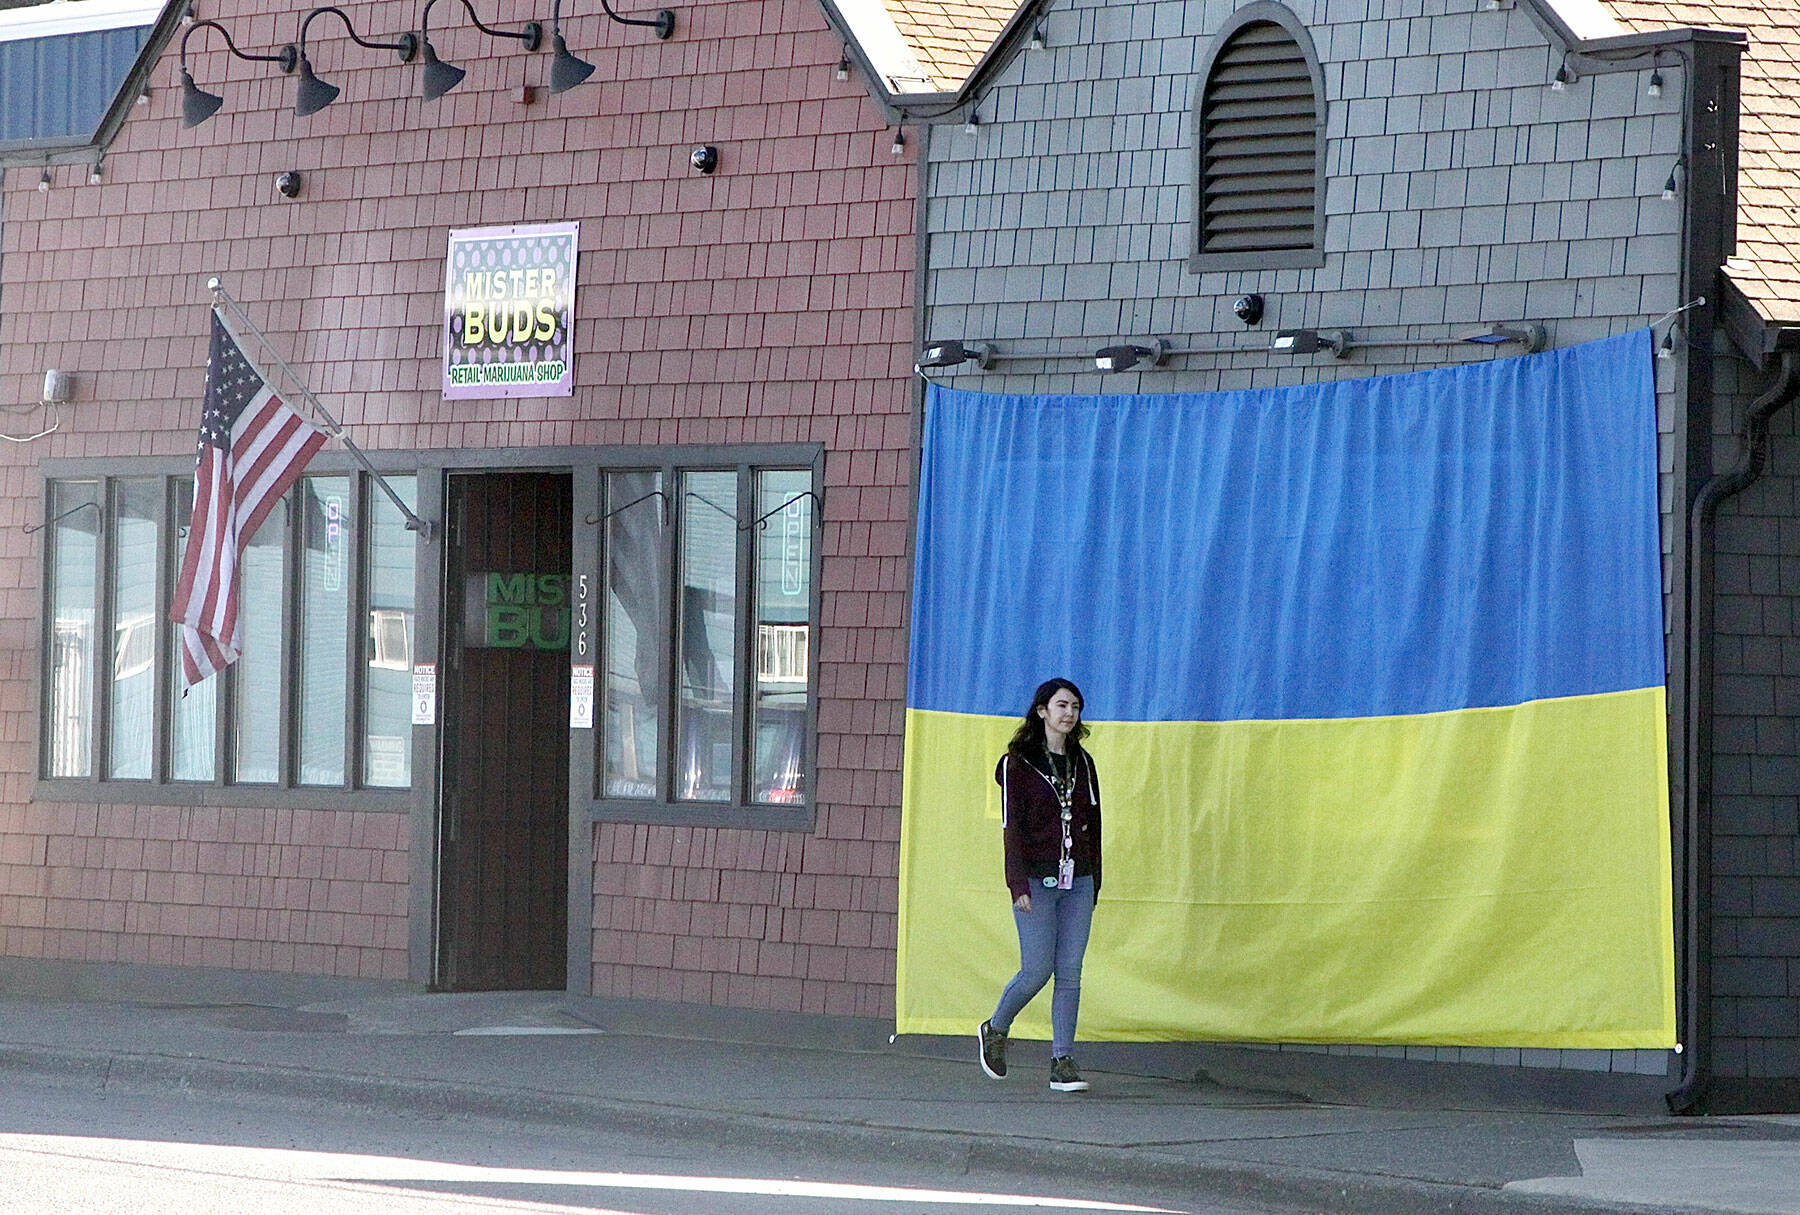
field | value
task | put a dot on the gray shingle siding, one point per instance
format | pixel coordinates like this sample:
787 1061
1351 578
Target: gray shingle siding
1478 174
1756 774
1459 189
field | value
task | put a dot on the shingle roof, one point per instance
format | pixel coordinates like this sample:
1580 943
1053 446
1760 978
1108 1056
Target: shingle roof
1767 265
949 37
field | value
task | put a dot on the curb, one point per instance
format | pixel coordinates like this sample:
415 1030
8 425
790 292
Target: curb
1027 1159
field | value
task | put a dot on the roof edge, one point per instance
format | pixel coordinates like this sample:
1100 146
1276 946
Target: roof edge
1759 338
75 17
1550 17
1005 46
1561 21
136 81
1587 18
875 41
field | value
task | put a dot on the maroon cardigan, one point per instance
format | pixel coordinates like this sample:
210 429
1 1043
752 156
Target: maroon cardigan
1031 820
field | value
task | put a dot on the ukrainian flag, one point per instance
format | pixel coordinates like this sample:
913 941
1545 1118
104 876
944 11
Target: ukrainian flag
1375 675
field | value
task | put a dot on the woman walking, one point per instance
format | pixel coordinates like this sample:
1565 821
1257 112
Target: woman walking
1050 818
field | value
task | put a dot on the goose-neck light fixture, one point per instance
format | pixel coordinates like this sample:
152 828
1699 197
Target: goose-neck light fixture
197 105
312 94
440 77
567 71
663 23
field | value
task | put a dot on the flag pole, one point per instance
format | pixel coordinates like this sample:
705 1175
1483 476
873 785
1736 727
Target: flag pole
222 301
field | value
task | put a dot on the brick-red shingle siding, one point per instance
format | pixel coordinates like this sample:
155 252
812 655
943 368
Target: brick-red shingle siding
770 302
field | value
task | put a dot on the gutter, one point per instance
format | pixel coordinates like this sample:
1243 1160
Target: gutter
1697 729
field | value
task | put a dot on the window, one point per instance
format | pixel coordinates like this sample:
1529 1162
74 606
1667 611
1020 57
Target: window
704 638
73 553
1259 141
313 702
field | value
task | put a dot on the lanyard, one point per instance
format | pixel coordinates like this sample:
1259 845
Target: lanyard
1062 783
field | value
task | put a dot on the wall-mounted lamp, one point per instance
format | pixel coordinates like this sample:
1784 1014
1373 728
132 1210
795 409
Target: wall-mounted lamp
952 354
1156 352
312 94
899 144
288 184
1037 42
1673 183
44 181
1562 80
704 158
1125 357
1532 337
1655 87
1666 350
1311 341
197 105
973 124
566 71
439 77
96 174
1248 309
843 67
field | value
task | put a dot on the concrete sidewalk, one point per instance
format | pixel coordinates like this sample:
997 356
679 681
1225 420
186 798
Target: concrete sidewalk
1255 1130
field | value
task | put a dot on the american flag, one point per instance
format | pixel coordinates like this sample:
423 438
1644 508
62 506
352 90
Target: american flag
252 449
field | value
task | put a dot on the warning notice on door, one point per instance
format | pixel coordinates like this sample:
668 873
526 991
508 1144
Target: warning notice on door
424 693
581 697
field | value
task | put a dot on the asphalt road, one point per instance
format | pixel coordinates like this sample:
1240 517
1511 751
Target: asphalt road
70 1150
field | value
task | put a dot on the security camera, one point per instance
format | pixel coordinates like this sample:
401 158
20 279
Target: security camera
289 184
1249 308
705 158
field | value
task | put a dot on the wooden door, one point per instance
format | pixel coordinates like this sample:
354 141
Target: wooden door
504 798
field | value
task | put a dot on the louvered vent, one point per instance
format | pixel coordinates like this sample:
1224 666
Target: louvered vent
1259 172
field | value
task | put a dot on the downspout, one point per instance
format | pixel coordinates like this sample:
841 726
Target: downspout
1753 450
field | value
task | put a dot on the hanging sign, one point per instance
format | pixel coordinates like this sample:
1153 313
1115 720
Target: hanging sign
509 311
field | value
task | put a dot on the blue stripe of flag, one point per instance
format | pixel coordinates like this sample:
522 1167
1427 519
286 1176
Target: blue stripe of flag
1476 536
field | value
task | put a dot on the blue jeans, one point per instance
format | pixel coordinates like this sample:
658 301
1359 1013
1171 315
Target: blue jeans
1052 937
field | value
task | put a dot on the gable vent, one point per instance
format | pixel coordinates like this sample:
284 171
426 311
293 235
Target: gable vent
1259 171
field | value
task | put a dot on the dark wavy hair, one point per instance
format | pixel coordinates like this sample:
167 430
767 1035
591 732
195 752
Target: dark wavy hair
1028 741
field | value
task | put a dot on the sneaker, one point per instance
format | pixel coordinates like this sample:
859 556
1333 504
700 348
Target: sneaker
993 1050
1064 1078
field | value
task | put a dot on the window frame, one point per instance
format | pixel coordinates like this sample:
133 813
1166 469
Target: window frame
1198 261
222 788
587 759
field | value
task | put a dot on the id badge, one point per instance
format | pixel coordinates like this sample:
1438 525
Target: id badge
1065 873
